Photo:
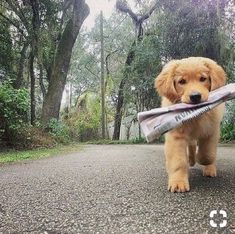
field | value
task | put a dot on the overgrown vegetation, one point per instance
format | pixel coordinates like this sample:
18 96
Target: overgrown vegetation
40 58
13 110
58 130
228 124
14 106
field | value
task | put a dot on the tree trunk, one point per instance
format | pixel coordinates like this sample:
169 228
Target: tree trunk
33 54
120 101
19 79
32 89
102 85
118 115
57 81
41 83
138 21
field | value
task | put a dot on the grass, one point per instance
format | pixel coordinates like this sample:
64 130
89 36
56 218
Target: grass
109 142
117 142
14 156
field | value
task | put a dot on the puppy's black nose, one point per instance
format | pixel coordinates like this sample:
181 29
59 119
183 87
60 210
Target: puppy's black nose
195 97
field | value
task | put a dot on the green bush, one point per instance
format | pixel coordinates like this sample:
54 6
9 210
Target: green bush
84 125
88 125
58 130
228 124
138 140
84 121
13 109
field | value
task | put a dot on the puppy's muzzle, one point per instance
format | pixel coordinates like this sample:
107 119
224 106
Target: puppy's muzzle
195 97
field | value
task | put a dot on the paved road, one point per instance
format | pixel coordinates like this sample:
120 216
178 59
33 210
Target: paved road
113 189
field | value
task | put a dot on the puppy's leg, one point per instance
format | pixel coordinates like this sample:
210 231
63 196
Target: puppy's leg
192 148
176 163
207 154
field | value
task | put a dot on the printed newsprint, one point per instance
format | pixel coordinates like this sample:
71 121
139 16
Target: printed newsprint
158 121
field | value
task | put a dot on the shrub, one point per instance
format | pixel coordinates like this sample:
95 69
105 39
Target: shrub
13 109
228 126
84 125
84 121
138 140
30 137
58 130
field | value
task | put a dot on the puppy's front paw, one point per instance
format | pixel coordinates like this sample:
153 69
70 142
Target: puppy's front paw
209 170
178 186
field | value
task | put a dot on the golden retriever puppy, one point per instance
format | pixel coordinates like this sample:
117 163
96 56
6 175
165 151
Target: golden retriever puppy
190 80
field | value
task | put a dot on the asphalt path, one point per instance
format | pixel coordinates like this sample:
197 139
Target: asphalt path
114 189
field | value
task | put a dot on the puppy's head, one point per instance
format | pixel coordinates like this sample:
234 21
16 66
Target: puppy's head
189 80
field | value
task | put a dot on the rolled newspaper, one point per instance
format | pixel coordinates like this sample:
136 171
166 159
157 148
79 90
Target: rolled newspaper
158 121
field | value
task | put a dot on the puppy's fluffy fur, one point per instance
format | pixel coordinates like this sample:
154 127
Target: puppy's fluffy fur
190 80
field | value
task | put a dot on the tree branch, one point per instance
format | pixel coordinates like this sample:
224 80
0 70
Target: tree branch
148 14
66 5
88 69
41 83
12 23
121 6
17 10
138 20
106 60
19 79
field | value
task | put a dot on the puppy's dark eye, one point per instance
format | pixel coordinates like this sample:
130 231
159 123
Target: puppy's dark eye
202 79
182 81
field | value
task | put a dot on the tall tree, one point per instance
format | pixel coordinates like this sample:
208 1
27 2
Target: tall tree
102 83
138 22
33 53
5 50
57 80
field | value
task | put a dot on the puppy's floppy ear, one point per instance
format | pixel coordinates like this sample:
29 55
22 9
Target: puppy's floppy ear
164 83
216 73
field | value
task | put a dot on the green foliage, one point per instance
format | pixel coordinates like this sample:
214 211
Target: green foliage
228 126
84 122
176 29
138 140
13 121
87 125
58 130
13 107
5 50
146 64
190 28
198 28
117 142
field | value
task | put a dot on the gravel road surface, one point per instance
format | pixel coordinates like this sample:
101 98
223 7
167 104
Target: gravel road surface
114 189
